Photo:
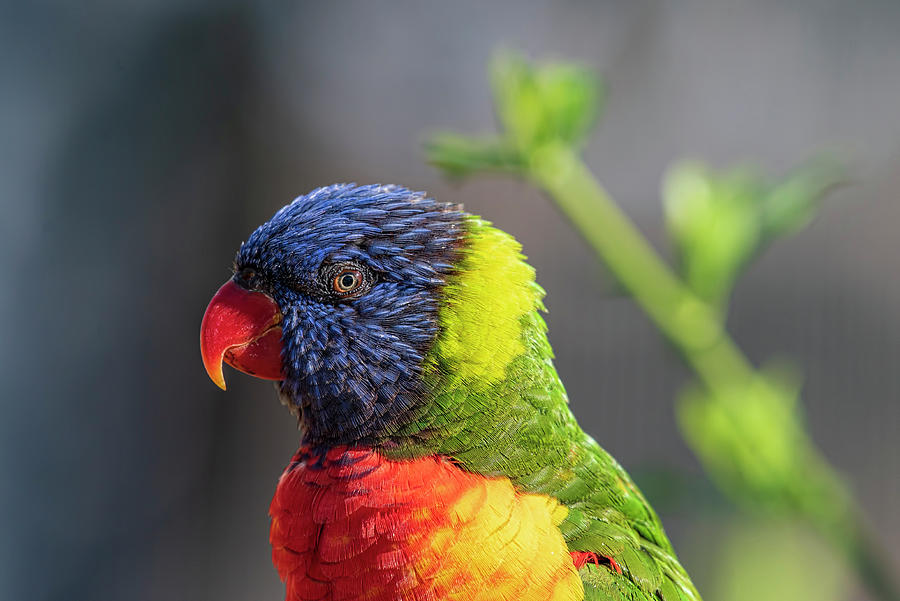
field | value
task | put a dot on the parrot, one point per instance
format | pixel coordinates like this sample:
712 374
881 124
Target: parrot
438 456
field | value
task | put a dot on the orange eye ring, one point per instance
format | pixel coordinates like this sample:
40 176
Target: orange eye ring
347 281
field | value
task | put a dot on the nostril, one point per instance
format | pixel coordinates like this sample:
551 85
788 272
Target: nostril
247 277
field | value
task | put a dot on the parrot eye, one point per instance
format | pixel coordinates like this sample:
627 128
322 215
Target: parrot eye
346 281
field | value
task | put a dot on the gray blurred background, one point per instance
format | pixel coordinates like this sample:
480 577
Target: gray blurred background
142 141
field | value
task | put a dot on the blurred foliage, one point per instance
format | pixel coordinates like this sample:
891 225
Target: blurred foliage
795 565
719 221
754 444
746 425
761 436
558 103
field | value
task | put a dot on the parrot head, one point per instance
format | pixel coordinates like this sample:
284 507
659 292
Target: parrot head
337 297
369 305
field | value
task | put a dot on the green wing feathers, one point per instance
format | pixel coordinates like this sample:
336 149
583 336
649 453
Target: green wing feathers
613 519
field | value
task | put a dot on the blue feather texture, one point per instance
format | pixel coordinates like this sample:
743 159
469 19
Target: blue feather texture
353 365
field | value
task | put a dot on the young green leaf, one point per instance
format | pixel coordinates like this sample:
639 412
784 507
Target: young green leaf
547 103
459 156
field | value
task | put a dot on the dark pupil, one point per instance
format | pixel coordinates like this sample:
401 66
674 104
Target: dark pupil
348 280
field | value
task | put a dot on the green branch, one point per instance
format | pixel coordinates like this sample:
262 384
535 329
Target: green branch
744 424
685 320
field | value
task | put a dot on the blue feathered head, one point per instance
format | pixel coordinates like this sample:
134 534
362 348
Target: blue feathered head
352 276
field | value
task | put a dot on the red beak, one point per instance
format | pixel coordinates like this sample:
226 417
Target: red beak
242 328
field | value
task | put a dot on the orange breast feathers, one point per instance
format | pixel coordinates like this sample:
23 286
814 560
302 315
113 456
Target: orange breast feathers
350 524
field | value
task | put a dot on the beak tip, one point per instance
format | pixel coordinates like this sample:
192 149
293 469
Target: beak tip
215 372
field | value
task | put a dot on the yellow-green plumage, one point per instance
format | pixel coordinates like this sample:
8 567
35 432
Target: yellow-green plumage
498 408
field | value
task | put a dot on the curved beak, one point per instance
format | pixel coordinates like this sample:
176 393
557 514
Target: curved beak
241 328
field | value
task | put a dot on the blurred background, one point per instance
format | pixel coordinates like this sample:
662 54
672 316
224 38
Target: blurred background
143 141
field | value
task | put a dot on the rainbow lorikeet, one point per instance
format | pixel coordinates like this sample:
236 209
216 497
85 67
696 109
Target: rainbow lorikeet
439 458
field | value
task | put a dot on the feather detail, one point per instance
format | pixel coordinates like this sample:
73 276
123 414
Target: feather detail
350 524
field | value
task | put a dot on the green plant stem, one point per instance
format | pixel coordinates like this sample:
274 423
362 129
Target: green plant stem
695 329
689 323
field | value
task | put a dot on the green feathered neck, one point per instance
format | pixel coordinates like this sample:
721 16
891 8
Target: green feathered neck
489 310
494 396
